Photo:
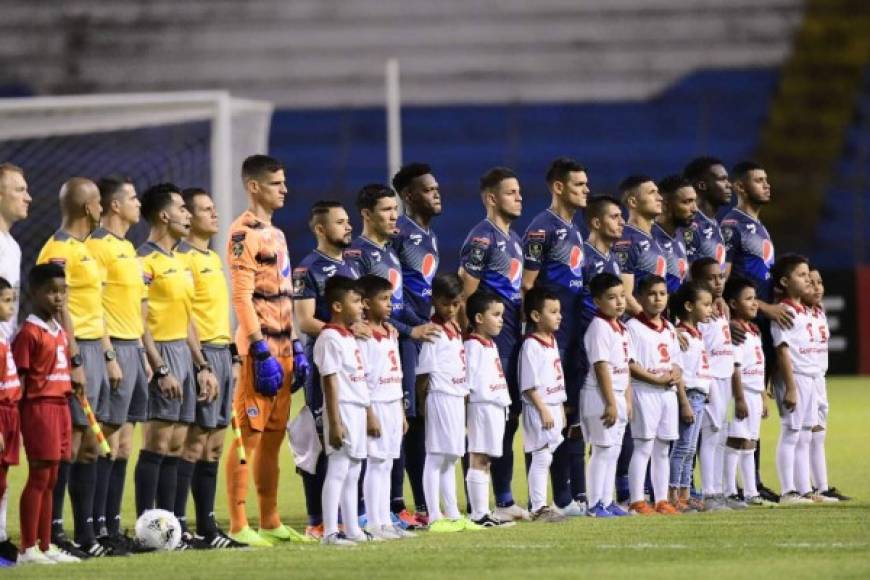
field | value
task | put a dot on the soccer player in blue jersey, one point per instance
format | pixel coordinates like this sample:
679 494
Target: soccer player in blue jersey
606 224
679 205
751 253
331 227
704 237
492 258
417 247
638 252
553 259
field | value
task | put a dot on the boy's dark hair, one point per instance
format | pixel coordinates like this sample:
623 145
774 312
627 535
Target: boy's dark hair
490 180
696 270
783 267
689 291
478 303
190 193
109 187
41 274
647 283
561 168
408 173
602 283
4 284
597 206
367 197
369 286
157 198
320 209
338 287
735 285
447 285
534 300
257 166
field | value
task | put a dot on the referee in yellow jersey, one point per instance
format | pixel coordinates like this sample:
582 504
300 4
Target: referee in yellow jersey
198 467
123 292
91 365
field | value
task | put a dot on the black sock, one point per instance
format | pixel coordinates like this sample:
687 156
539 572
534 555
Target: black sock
115 496
204 488
59 494
182 490
104 474
167 483
147 476
82 482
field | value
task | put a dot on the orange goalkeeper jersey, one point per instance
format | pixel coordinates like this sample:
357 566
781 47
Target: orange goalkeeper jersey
262 283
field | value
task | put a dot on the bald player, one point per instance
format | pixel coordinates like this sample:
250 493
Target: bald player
14 203
122 293
91 365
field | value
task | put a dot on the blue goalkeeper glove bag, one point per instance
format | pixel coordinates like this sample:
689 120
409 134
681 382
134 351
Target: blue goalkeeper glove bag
268 374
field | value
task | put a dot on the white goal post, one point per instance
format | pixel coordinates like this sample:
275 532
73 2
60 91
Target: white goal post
237 128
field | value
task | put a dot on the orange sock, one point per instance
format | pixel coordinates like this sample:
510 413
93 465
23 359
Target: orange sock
266 472
237 479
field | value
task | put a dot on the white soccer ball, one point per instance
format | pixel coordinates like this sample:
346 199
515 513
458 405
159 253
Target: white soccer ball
158 529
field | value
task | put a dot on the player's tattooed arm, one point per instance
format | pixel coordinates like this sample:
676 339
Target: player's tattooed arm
605 384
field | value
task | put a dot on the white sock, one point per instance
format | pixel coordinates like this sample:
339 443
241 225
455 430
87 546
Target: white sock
802 462
637 468
596 472
785 451
448 486
3 534
432 485
539 471
719 460
350 499
336 472
478 492
729 484
661 469
707 456
747 472
372 490
386 484
610 478
818 462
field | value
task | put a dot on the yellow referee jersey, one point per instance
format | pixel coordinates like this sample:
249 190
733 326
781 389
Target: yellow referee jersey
123 289
169 292
83 280
211 301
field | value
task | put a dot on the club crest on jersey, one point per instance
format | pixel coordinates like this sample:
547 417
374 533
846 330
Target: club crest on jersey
252 411
428 267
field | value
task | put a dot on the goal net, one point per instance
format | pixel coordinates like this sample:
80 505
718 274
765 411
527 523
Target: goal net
189 138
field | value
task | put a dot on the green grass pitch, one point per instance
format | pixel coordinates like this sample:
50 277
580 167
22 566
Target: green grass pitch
800 542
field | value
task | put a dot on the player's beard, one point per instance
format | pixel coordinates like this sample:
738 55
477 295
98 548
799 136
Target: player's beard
340 243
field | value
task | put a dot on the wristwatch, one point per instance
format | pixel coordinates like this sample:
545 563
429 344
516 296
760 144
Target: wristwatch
110 355
162 371
76 361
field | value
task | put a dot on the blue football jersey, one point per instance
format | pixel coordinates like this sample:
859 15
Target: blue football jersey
675 256
594 263
639 253
703 239
554 248
749 249
496 259
371 258
309 282
417 249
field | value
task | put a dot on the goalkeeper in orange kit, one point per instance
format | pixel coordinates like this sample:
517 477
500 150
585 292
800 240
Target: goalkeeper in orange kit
272 357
